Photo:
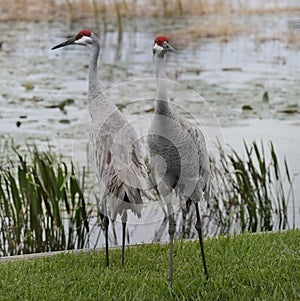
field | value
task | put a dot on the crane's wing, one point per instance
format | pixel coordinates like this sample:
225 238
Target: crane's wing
198 138
117 158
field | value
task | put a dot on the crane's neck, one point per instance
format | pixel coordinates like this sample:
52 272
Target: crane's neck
93 67
98 104
95 88
161 105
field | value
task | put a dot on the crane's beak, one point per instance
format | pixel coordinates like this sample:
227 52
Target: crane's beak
66 43
168 47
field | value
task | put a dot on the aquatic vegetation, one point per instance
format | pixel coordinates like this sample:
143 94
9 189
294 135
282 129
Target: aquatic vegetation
250 193
253 191
42 207
42 204
78 9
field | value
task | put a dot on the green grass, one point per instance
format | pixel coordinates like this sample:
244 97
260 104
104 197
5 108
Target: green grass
242 267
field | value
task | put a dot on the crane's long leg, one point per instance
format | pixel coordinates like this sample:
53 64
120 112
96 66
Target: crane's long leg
171 233
124 220
198 227
105 225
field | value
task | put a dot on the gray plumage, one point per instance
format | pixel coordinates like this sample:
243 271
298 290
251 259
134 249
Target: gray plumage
183 149
115 152
114 149
179 143
178 151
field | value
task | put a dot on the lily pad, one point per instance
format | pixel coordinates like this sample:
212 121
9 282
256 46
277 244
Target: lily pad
64 121
61 105
28 86
232 69
247 108
289 111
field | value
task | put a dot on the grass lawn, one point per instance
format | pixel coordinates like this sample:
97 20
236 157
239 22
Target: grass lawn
242 267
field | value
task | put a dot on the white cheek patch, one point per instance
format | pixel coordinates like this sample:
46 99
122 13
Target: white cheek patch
157 48
84 40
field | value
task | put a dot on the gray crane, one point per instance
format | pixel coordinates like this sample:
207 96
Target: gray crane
114 148
178 152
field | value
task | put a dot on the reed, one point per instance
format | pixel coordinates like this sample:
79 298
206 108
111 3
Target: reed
78 9
42 207
71 10
220 29
180 8
250 193
96 13
119 21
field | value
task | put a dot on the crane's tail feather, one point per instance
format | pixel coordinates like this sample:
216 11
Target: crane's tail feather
117 202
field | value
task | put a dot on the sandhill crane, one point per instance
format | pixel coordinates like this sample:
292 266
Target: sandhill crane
114 149
178 152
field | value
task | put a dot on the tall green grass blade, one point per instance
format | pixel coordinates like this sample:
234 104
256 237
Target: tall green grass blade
35 201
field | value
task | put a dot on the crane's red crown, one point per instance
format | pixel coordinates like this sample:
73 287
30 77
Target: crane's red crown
82 33
160 40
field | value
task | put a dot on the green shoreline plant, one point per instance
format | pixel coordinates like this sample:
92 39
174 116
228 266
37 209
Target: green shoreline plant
42 204
251 188
250 193
42 207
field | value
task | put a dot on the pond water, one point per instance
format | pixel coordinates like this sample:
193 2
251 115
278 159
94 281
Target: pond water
43 95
